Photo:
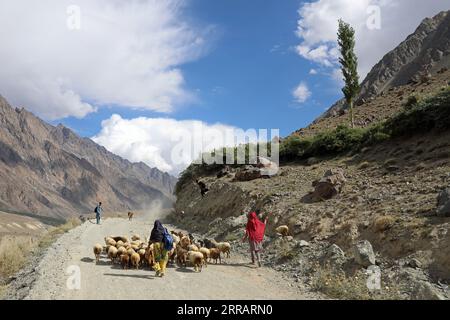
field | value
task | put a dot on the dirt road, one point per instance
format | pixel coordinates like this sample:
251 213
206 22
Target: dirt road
233 280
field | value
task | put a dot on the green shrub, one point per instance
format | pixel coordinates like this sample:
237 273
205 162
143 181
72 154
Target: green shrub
423 115
411 102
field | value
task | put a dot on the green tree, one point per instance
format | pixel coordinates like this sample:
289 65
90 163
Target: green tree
349 65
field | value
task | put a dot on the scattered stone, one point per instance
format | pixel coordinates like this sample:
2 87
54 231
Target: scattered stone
415 263
303 243
363 253
443 203
335 255
328 187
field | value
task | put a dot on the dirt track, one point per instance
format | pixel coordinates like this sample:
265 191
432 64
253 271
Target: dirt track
235 279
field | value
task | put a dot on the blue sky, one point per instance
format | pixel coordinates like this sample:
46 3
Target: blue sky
141 76
247 76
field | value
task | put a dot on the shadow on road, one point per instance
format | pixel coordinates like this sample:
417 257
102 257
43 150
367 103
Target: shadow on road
149 277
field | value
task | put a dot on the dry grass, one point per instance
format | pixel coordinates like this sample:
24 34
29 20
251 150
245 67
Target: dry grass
53 233
2 291
337 285
383 223
14 253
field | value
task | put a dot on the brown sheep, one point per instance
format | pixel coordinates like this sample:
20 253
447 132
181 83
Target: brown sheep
98 248
196 258
141 253
149 255
192 247
121 251
119 244
135 259
206 254
185 242
110 241
112 253
214 254
125 260
181 256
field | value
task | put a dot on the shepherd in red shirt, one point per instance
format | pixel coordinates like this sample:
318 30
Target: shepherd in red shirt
254 232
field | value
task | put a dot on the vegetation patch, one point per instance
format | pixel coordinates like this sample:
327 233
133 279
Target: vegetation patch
14 252
337 285
55 232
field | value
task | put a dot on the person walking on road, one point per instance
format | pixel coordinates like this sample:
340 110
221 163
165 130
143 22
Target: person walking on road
160 253
254 232
98 212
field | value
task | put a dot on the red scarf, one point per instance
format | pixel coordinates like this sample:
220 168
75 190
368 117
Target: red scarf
255 228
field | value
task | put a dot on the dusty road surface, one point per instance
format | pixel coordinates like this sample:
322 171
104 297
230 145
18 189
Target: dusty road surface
235 279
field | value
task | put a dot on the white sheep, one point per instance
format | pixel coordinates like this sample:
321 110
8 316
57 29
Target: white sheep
224 247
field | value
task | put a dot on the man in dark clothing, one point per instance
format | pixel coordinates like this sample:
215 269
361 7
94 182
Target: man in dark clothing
98 212
203 188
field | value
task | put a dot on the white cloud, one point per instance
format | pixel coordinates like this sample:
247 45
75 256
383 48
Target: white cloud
126 53
168 144
313 72
318 22
301 93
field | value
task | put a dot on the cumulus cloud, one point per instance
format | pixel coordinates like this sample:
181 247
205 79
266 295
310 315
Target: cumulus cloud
301 93
168 144
318 22
124 53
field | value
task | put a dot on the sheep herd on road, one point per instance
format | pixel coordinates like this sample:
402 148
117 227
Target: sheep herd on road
136 253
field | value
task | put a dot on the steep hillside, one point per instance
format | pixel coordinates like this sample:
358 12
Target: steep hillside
51 171
390 198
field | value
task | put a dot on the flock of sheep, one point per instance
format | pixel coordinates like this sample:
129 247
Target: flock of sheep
139 254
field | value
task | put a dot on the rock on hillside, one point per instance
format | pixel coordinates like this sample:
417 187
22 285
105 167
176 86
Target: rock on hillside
53 172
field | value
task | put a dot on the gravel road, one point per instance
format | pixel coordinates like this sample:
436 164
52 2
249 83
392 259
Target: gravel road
234 279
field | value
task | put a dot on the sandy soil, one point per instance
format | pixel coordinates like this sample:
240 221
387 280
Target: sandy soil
235 279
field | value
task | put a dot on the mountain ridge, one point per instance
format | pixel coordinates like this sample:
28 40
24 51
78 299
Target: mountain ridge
50 170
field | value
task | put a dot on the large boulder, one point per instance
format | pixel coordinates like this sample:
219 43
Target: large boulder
268 168
443 205
248 173
329 186
334 256
363 253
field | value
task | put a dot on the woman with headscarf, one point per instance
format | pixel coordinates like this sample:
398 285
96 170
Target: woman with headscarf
254 232
160 254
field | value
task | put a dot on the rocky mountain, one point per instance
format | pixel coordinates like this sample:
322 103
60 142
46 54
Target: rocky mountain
422 54
51 171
